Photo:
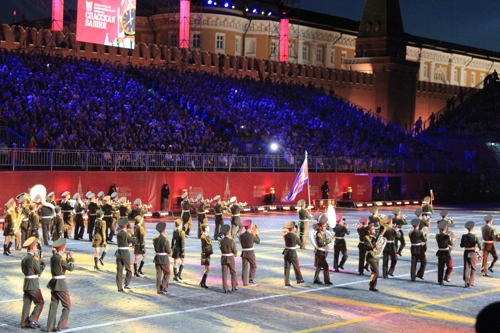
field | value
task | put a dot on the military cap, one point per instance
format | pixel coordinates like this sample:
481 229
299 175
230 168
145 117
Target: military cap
443 213
30 241
323 219
370 226
59 243
122 200
100 194
76 195
184 196
396 211
301 202
137 201
138 219
246 223
114 194
387 219
418 211
11 200
338 218
87 194
57 209
225 228
217 197
47 198
91 195
363 219
442 225
65 193
22 199
427 198
161 226
233 199
123 222
32 206
106 197
488 218
20 195
290 224
469 224
199 196
374 209
50 194
415 222
178 222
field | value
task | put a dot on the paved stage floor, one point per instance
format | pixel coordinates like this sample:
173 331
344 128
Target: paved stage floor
346 306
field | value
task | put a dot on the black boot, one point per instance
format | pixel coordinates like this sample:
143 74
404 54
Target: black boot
203 281
5 253
101 259
140 267
316 277
95 264
180 272
175 275
8 247
135 271
401 247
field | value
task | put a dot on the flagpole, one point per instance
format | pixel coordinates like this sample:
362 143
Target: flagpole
308 183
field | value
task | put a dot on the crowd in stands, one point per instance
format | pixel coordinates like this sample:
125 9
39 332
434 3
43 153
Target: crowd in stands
70 103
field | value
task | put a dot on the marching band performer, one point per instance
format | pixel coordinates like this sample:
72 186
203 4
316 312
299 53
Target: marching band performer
57 227
375 218
186 215
32 267
427 210
140 247
371 256
178 248
51 199
341 230
444 241
8 226
469 242
206 252
290 254
24 209
92 213
424 223
139 208
235 217
391 234
79 223
200 211
321 251
161 245
399 221
247 241
67 210
304 217
99 239
46 217
488 246
58 287
108 210
124 208
417 239
33 221
228 251
219 207
361 227
122 254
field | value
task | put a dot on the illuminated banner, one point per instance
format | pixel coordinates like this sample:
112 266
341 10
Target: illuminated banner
108 22
57 15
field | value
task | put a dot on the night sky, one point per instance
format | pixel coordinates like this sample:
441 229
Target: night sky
468 22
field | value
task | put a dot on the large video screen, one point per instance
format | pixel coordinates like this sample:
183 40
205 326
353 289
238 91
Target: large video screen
108 22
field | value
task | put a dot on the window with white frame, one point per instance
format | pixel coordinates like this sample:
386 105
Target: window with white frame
220 45
481 80
332 57
455 75
305 52
237 46
473 79
344 55
425 71
250 47
274 50
196 41
439 75
291 50
319 54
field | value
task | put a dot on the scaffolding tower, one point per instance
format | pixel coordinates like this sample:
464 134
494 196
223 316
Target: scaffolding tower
288 9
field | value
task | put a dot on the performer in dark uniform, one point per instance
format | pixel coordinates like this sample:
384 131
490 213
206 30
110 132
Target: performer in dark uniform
32 267
67 210
161 245
235 217
124 207
290 254
24 209
304 217
92 215
206 251
122 254
417 239
469 242
57 227
391 234
321 251
108 210
219 208
99 239
427 210
341 230
228 251
8 226
186 215
325 190
362 232
375 218
140 247
247 240
79 223
57 285
47 216
371 256
399 221
489 238
33 221
139 208
52 199
178 247
202 218
444 242
165 193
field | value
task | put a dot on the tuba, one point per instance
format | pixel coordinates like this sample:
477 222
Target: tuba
380 241
328 234
38 194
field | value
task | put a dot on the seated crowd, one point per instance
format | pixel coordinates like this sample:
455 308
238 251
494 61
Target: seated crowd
69 103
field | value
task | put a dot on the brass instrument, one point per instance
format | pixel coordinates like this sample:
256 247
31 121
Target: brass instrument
380 241
329 238
17 221
255 230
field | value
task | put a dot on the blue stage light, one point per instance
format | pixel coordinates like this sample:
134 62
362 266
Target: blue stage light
254 11
269 14
209 2
226 4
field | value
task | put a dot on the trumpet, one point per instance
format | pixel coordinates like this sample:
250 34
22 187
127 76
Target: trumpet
255 230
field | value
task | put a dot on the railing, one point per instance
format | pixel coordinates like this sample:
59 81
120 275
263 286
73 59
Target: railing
7 135
25 159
